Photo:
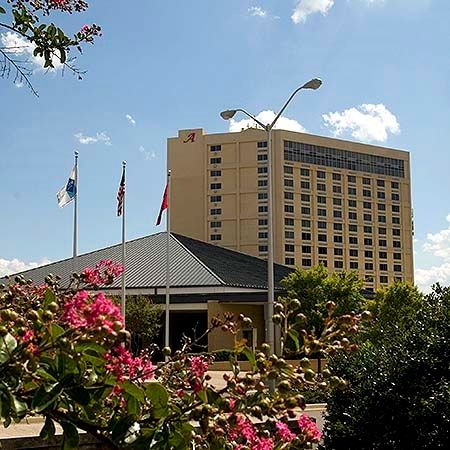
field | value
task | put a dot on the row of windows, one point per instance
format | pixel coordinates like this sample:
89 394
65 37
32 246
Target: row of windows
352 228
337 214
343 159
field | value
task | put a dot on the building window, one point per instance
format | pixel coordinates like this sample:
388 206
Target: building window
321 199
337 239
338 252
337 214
394 185
263 222
215 211
289 248
323 262
396 220
322 237
383 279
262 235
366 181
304 172
353 253
368 254
368 217
262 144
306 211
306 236
353 240
395 208
353 228
382 255
368 266
263 248
367 193
262 209
216 173
321 225
381 195
397 268
289 209
382 243
367 229
289 222
321 187
288 169
304 185
337 201
216 224
262 170
321 212
289 234
306 249
288 195
383 267
306 262
321 174
215 237
262 157
323 250
337 189
381 230
264 195
380 183
304 198
215 160
353 265
351 179
368 241
216 148
397 256
215 186
216 198
381 207
352 203
351 191
367 205
352 216
338 264
263 183
306 223
337 226
395 197
382 219
336 177
396 232
289 261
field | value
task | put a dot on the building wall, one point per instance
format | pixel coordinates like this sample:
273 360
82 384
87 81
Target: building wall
321 211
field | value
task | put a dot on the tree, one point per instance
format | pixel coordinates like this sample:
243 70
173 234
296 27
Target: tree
64 355
398 393
29 36
315 296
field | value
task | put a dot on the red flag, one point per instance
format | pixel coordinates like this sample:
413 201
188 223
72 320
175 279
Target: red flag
164 205
121 194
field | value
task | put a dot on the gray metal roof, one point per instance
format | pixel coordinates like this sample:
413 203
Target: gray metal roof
192 264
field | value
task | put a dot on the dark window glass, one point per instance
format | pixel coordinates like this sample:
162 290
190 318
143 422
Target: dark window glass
289 208
353 240
368 266
289 248
306 223
306 262
395 208
262 222
397 268
382 255
263 248
339 264
381 195
289 222
353 264
351 191
320 174
395 197
216 148
397 256
336 177
394 185
368 217
383 279
396 220
321 225
215 186
304 172
263 183
353 228
216 173
338 251
289 234
288 169
287 195
262 209
367 205
337 239
352 203
306 236
380 183
304 197
321 199
262 169
337 214
215 237
215 211
367 193
351 179
366 180
287 182
368 241
382 219
262 235
337 226
368 254
321 187
367 229
321 212
289 261
395 232
262 144
323 250
264 195
337 189
305 185
306 249
397 244
322 238
352 215
382 243
216 198
305 210
337 201
353 253
262 157
215 160
215 224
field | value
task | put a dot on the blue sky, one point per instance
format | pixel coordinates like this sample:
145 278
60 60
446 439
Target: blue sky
170 65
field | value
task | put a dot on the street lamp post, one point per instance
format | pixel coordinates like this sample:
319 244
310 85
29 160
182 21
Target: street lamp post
314 84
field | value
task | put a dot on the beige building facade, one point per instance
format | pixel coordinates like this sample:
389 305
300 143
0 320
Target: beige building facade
344 204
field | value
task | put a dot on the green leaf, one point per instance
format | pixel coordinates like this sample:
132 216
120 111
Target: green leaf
62 55
159 397
42 373
70 436
50 296
293 334
133 390
121 427
19 407
44 397
133 406
56 331
2 10
250 355
48 430
7 345
80 395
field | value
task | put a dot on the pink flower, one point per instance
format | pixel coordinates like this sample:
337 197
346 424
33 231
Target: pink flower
309 428
283 431
264 444
28 336
199 366
103 273
123 365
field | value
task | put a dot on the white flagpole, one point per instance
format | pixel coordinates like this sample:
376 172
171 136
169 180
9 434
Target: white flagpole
124 163
167 309
75 210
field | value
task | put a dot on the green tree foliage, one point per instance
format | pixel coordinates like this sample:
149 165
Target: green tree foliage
398 394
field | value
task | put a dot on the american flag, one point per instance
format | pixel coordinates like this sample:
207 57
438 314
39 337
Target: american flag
121 194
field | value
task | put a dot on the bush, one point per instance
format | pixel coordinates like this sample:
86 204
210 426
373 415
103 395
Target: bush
398 394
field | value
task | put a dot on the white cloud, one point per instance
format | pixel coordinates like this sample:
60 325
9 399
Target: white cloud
437 244
266 117
367 122
257 11
20 46
147 155
130 119
99 137
10 266
305 8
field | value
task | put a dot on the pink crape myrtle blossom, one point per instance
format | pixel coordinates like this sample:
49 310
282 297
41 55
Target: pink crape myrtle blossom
123 365
199 366
102 274
284 433
309 428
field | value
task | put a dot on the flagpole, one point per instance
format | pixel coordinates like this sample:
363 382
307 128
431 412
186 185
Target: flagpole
167 310
75 209
122 304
